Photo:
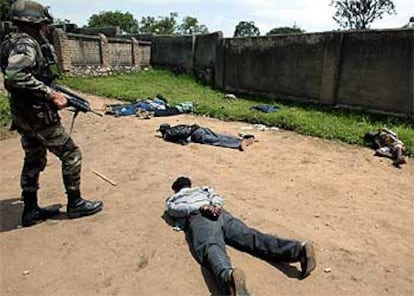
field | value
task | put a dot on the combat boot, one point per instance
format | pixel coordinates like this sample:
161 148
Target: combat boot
32 213
78 207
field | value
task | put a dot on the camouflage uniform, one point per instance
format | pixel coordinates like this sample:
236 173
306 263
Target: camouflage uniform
27 78
27 67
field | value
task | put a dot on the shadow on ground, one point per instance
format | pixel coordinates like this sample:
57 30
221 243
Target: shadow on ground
11 210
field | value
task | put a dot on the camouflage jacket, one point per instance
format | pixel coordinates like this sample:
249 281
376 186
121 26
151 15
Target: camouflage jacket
27 78
25 71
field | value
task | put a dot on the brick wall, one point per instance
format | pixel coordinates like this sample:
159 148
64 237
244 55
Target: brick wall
89 55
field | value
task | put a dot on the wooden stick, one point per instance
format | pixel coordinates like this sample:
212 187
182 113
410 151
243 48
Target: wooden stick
105 178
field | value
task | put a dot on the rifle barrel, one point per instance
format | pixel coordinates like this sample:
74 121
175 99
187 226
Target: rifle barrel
97 113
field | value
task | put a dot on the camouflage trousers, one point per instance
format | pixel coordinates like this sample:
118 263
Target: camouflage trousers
35 144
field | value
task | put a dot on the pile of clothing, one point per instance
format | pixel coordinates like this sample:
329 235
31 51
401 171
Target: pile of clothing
147 108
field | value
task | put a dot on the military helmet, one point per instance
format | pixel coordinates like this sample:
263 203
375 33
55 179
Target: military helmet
30 12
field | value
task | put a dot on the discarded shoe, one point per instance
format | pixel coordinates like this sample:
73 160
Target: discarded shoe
83 207
37 214
238 283
307 258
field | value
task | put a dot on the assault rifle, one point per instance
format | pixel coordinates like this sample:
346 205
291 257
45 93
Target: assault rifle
76 102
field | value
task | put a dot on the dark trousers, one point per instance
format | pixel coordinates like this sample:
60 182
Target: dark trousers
55 139
204 135
207 240
167 112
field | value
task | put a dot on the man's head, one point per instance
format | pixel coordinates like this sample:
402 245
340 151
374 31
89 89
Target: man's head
163 127
180 183
30 12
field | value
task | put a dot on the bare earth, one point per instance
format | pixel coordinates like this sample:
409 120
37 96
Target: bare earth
357 208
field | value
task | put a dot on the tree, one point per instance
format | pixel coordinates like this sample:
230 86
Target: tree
358 14
58 21
190 25
167 24
125 21
162 25
147 24
246 29
285 30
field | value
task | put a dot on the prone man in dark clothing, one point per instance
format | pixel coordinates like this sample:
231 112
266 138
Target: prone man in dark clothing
210 227
28 62
185 134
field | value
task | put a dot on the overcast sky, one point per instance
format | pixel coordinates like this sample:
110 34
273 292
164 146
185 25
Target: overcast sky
310 15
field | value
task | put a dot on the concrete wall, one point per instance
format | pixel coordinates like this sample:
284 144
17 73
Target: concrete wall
279 66
365 69
377 70
174 52
370 69
204 62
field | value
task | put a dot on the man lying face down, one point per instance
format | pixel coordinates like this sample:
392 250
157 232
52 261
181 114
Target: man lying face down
184 134
210 227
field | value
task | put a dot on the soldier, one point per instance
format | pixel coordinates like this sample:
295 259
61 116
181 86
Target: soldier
34 106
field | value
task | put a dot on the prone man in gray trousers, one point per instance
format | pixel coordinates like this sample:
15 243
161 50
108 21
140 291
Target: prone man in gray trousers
199 210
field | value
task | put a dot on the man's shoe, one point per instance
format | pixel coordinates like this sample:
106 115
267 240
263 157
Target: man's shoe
238 283
307 258
36 214
83 207
399 161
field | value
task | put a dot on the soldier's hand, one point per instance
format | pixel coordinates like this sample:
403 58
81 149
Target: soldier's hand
59 99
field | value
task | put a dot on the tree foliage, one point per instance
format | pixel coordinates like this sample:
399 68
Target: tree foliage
246 29
149 24
285 30
190 25
160 25
169 25
359 14
58 21
125 21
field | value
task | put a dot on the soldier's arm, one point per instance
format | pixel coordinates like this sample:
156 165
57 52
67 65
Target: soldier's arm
18 73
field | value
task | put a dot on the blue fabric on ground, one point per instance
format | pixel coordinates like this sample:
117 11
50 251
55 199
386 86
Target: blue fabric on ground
132 108
265 108
125 109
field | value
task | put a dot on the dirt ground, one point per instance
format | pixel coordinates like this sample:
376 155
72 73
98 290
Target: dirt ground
357 208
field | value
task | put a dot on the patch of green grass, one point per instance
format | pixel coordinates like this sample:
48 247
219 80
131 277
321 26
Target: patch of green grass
5 117
308 119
